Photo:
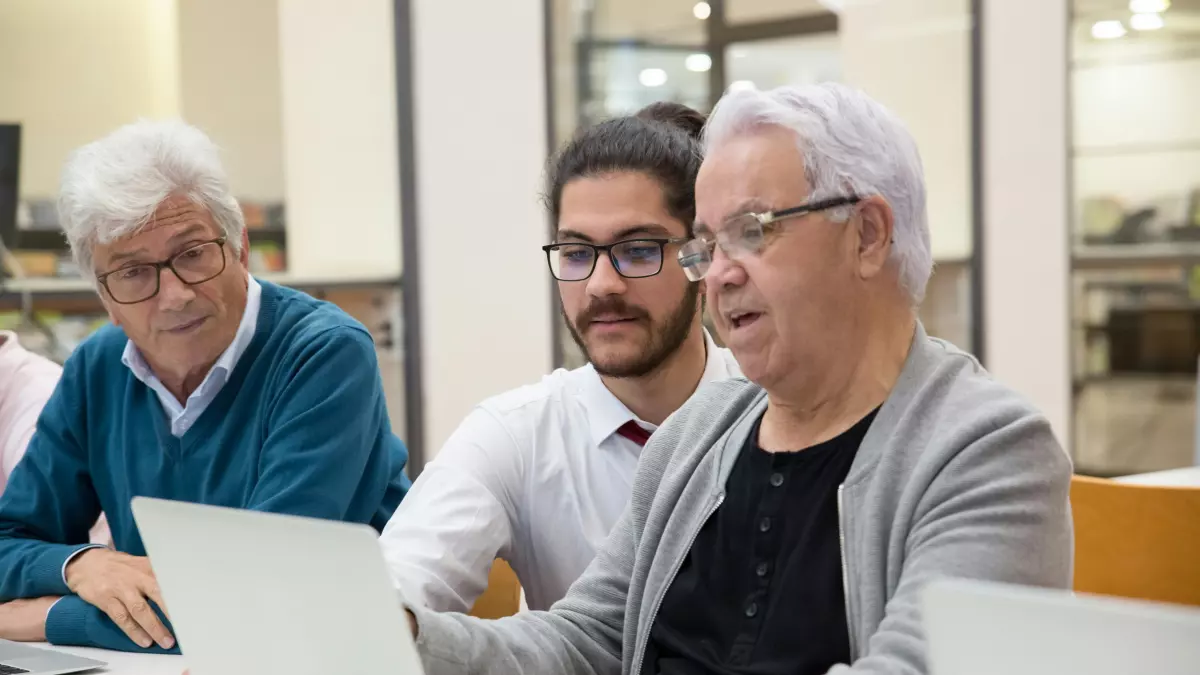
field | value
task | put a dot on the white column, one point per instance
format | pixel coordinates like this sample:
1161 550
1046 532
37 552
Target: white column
337 70
480 130
1025 253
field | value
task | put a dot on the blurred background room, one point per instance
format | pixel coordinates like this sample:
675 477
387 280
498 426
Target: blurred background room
388 157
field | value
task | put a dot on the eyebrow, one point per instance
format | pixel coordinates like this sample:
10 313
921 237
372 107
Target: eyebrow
126 255
651 229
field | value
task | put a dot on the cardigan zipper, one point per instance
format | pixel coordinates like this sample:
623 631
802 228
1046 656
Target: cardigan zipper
845 572
641 652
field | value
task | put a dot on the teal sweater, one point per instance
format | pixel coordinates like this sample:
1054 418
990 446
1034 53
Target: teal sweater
300 427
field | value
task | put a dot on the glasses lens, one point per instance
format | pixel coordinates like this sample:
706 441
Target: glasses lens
745 234
572 262
638 258
200 263
695 259
133 284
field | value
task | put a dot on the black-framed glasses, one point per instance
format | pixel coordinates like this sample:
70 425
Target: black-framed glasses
631 258
197 264
745 235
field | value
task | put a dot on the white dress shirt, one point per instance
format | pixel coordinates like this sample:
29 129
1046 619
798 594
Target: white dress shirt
182 417
536 476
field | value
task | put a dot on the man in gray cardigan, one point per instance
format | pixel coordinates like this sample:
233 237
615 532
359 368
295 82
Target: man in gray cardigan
787 523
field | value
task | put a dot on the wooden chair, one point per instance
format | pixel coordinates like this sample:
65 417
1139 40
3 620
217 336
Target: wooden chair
1137 541
502 597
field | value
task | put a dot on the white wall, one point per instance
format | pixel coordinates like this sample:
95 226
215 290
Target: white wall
480 134
337 67
72 71
1026 262
229 75
914 57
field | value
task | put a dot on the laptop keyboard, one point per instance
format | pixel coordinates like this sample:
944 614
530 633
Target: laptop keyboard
10 670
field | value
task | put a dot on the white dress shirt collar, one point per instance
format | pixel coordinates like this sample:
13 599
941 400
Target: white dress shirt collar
182 416
605 411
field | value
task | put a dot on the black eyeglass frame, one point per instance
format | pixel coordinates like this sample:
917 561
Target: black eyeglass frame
169 264
597 249
769 218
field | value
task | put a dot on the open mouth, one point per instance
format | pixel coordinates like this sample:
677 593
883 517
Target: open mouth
742 319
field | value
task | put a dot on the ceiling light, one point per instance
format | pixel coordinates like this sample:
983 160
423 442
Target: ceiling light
1149 6
742 85
1108 30
1147 21
702 10
738 53
698 63
653 77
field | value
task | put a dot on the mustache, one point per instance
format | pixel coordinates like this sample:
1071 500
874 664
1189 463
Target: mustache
609 305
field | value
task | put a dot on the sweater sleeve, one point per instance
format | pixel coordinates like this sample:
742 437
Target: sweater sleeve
72 622
50 502
998 511
325 454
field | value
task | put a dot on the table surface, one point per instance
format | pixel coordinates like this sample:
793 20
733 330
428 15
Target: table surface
1189 477
121 663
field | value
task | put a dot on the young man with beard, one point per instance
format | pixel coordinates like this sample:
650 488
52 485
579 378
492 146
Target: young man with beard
539 475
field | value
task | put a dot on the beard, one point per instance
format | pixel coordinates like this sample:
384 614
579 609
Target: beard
666 336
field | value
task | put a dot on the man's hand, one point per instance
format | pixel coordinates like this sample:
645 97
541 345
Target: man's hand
121 586
25 620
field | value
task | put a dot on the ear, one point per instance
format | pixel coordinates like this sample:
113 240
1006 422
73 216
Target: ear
875 231
245 256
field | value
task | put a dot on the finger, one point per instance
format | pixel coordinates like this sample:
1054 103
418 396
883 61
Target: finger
152 591
116 610
144 614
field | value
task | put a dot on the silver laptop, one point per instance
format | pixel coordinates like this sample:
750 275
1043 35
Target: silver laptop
974 628
251 593
19 658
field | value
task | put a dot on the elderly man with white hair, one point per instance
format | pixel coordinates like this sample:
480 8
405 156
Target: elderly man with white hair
210 386
786 523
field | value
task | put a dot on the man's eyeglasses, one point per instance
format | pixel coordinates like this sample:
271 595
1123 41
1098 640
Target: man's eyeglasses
745 235
632 258
138 283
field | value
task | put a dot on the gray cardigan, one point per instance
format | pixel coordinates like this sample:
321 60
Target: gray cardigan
957 476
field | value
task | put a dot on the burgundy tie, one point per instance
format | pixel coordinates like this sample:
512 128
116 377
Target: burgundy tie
634 432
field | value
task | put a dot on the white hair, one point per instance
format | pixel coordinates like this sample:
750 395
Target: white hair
850 143
111 187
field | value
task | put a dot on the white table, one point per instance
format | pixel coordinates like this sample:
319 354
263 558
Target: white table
1189 477
123 663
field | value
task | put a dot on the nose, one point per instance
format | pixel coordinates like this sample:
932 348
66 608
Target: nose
724 272
605 280
173 294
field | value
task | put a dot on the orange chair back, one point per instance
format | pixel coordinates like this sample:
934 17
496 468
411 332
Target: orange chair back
502 597
1137 541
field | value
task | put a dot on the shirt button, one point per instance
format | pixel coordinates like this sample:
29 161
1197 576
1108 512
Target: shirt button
751 610
764 525
762 569
776 479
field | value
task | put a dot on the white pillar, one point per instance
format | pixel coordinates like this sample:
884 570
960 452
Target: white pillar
480 136
337 70
1025 252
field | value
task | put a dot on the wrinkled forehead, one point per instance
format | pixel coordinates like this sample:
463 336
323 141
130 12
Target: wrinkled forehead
178 210
752 172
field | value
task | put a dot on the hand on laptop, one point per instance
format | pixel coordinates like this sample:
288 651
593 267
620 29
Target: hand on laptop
25 620
120 585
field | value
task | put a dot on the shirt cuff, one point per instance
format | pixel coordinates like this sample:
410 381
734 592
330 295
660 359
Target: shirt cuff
72 557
